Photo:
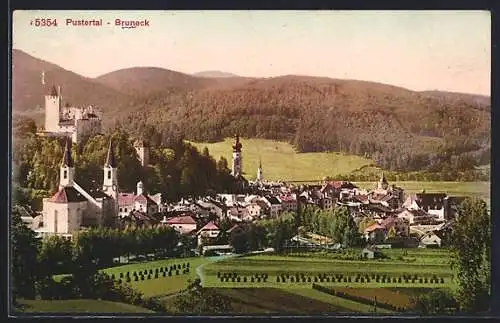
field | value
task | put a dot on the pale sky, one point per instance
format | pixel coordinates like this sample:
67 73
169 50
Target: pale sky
418 50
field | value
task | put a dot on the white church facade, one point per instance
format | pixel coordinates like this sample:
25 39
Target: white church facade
71 208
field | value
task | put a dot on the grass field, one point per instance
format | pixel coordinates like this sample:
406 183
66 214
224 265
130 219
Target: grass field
78 306
280 161
161 285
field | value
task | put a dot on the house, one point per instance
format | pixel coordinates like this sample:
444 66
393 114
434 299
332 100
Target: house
431 239
140 219
326 203
288 202
368 253
238 214
214 207
400 225
210 230
432 203
274 205
149 204
182 224
413 215
254 210
375 233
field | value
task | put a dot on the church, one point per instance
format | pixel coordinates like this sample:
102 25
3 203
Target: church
72 208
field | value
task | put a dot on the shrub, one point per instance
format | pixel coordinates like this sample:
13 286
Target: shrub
177 272
161 269
233 279
128 279
425 280
184 265
135 274
252 280
112 276
156 270
121 275
245 279
170 273
218 274
149 276
188 264
315 279
156 275
442 280
362 279
399 280
309 279
292 279
151 271
142 277
258 279
164 274
119 281
136 278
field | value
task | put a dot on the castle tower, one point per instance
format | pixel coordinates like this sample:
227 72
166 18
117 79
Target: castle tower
67 170
52 109
142 149
110 182
260 175
237 168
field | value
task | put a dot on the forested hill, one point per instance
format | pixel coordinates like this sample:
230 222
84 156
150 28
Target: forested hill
399 128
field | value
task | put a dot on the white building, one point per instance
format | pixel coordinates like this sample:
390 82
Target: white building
182 224
142 202
274 205
74 122
210 230
254 210
72 208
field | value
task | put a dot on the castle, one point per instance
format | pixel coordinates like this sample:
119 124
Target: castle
72 122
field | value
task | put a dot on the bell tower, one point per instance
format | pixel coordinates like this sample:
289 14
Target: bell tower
110 182
237 168
67 170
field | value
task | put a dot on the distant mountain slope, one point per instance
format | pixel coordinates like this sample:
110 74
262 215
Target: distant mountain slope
214 74
394 126
28 91
144 80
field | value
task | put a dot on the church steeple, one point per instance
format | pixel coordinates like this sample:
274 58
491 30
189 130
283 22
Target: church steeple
110 158
110 182
67 159
260 176
237 167
67 169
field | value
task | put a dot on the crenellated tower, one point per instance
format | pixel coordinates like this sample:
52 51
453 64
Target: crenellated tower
53 109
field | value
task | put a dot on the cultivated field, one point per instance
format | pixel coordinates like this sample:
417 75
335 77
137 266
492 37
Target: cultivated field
416 269
78 306
280 161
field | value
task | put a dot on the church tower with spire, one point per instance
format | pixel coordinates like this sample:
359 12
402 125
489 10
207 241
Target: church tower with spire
260 175
110 182
237 168
67 170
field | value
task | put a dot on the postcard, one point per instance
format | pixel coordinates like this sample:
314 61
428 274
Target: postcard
228 163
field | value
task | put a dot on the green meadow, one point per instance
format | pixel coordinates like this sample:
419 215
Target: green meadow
280 161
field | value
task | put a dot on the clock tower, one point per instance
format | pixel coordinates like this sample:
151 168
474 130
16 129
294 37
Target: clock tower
110 182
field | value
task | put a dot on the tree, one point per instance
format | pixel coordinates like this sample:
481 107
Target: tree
24 246
470 243
198 300
392 233
239 241
436 302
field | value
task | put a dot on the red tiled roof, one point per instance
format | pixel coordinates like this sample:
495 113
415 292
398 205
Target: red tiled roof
361 198
67 195
210 226
144 199
125 199
181 220
374 227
